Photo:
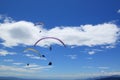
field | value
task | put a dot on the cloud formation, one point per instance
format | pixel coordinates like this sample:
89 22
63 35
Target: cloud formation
23 69
14 33
17 63
118 11
103 67
35 57
8 60
72 56
5 52
91 52
13 68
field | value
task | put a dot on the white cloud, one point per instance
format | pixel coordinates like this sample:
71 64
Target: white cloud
118 11
110 46
17 33
27 33
93 75
8 60
84 76
5 52
94 67
37 67
103 67
18 63
13 68
88 67
91 52
22 71
73 46
32 65
35 57
34 70
72 56
97 50
6 19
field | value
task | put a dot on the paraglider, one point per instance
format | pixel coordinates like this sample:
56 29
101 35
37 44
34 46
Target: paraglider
27 64
50 48
35 51
43 55
50 63
50 38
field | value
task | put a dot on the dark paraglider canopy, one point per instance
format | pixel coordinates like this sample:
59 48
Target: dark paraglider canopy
43 55
50 48
50 63
50 38
28 64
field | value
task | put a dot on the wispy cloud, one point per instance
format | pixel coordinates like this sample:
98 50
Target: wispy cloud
118 11
19 70
13 68
27 33
103 67
32 65
8 60
5 52
84 76
37 67
35 57
108 46
6 19
72 56
34 69
91 52
98 74
94 67
88 67
18 63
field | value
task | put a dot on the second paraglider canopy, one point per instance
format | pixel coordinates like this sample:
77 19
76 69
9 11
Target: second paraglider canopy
35 51
50 63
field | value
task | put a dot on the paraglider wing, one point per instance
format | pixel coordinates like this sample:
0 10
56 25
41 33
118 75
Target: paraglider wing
43 55
50 38
27 64
31 49
50 63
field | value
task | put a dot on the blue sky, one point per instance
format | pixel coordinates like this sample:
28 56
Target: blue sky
90 30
